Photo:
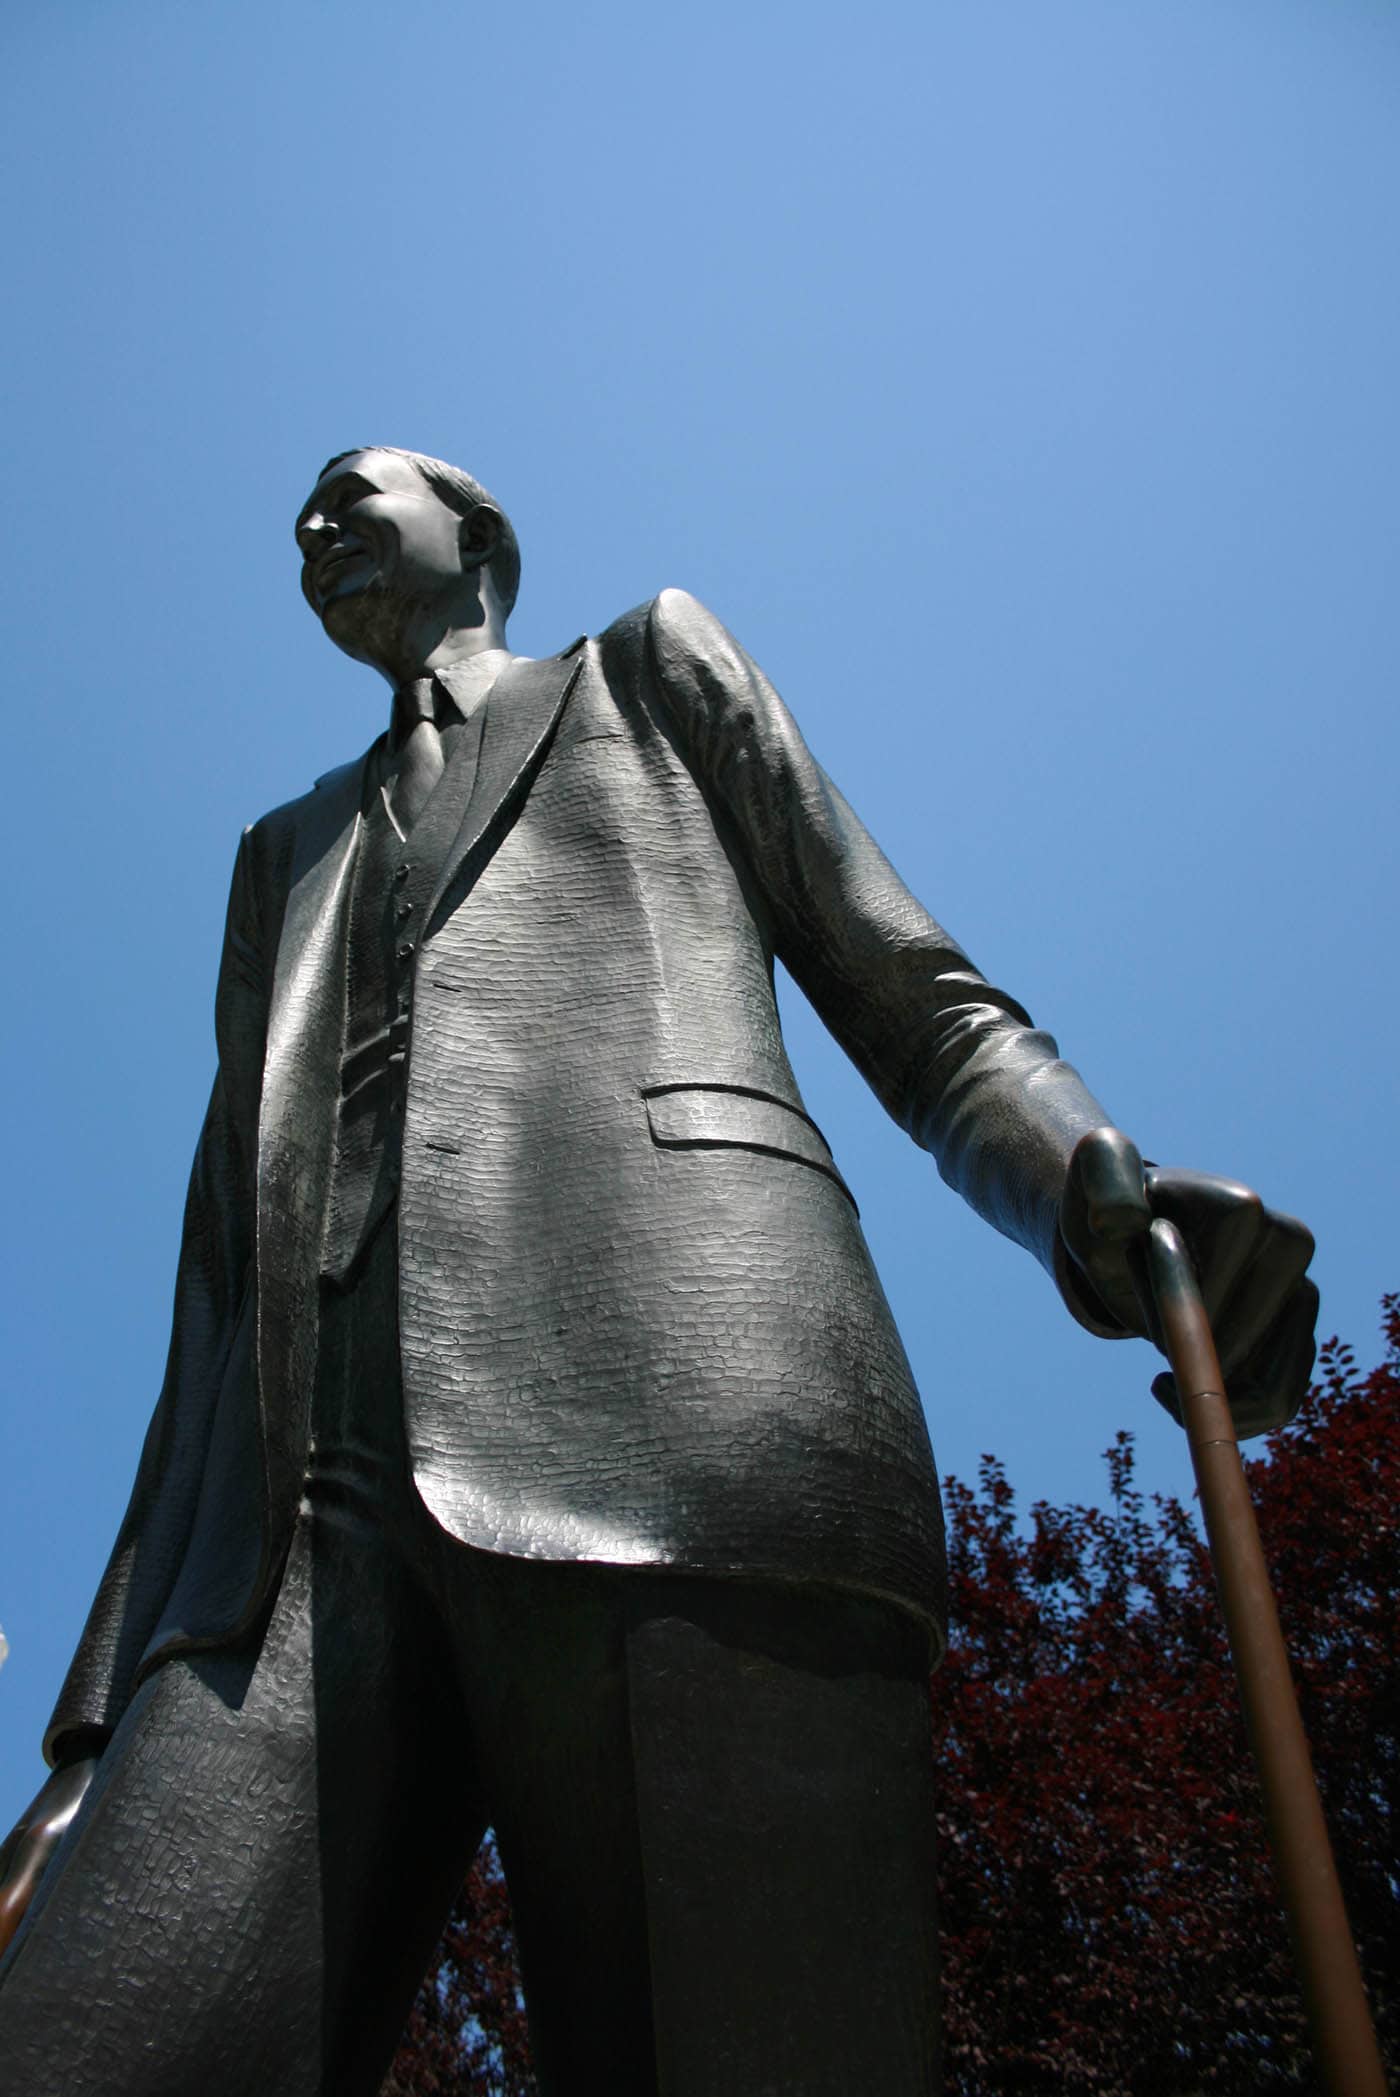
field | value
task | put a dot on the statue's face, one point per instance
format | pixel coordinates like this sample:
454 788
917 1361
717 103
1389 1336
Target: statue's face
381 553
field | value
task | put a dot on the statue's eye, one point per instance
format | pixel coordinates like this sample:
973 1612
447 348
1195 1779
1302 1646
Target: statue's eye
350 492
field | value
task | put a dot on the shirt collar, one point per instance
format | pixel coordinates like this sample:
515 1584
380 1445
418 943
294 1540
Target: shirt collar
468 681
460 689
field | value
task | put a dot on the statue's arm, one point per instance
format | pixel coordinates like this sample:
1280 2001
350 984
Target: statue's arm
214 1264
957 1061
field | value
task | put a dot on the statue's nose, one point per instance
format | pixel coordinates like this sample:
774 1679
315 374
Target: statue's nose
314 532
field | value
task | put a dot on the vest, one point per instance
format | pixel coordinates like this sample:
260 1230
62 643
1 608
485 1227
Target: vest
392 885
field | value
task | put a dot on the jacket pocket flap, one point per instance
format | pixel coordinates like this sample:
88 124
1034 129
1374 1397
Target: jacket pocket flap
695 1116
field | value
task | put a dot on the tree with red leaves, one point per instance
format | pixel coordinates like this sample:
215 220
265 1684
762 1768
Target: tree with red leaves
1110 1920
466 2031
1110 1916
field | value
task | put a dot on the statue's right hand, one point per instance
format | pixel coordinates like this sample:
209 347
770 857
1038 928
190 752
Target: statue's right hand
35 1836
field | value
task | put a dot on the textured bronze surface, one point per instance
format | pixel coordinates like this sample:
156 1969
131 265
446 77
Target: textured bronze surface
508 1229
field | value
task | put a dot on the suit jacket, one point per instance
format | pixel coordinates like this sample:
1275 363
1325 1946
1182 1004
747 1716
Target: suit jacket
639 1321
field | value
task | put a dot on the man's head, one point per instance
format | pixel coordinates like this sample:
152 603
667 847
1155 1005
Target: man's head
400 551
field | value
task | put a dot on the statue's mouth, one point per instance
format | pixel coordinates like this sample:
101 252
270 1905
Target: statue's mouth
332 565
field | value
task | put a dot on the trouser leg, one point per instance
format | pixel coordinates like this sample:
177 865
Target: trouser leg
543 1669
275 1833
785 1794
257 1880
193 1859
720 1842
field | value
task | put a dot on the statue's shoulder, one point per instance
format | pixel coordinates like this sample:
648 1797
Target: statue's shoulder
339 779
626 637
270 842
671 609
672 620
286 818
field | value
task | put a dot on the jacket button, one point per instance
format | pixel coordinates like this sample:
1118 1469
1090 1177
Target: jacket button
406 951
402 871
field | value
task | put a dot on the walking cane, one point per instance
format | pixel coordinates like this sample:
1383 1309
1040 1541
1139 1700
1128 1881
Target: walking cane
1344 2042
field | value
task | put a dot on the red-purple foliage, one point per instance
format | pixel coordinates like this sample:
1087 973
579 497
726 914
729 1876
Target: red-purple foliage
467 2032
1110 1923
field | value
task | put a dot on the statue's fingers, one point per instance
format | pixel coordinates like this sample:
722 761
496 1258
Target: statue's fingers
1106 1169
1268 1388
1104 1216
1165 1393
1262 1298
1222 1222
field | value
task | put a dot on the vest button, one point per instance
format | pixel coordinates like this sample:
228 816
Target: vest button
405 952
402 871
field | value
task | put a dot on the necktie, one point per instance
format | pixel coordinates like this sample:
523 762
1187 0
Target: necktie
420 758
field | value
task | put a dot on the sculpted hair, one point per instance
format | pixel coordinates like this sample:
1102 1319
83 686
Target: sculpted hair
462 494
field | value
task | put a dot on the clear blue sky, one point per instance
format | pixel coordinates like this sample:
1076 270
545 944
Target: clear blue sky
1018 381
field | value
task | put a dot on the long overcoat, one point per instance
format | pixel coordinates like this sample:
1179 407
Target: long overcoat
639 1321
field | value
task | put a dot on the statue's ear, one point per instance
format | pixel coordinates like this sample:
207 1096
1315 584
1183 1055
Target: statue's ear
478 535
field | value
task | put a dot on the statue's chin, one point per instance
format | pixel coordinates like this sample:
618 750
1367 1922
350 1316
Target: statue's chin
364 623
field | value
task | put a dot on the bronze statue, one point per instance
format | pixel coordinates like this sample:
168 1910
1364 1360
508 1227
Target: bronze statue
536 1446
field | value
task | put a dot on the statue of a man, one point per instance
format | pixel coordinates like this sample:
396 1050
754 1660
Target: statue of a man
536 1448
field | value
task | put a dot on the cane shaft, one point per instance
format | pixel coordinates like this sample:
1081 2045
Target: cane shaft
1338 2014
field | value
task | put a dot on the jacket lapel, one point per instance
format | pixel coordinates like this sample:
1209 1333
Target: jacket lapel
518 720
301 1077
301 1082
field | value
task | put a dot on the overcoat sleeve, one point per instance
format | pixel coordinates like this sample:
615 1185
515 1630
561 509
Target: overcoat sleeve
956 1061
212 1280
